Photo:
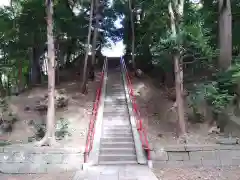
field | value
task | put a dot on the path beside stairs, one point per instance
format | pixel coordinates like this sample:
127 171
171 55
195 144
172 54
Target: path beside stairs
126 172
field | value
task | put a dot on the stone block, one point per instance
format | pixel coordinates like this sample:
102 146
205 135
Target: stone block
10 167
227 141
54 151
53 158
178 156
199 147
6 157
210 147
229 157
1 149
203 155
235 162
226 162
72 159
32 168
211 162
55 168
159 155
36 158
176 148
229 147
45 158
12 150
193 147
230 154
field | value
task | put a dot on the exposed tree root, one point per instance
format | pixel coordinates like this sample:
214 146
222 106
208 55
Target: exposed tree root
171 109
183 139
47 141
84 89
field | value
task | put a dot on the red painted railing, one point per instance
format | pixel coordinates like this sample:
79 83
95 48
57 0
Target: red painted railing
139 122
91 129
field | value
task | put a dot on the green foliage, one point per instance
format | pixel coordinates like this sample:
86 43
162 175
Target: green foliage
61 132
4 143
221 92
218 98
62 129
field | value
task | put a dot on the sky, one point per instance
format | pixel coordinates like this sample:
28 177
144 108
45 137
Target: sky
115 50
4 2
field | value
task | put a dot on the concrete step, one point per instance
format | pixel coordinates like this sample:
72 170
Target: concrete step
113 101
119 88
119 145
124 116
116 111
111 135
117 151
115 85
115 92
117 118
117 133
117 162
116 104
113 123
117 128
115 114
117 157
114 98
116 107
117 139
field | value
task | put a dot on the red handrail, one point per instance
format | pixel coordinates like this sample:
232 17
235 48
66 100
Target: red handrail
141 130
91 129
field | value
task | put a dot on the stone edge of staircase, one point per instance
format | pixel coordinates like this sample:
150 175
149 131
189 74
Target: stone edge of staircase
94 154
141 158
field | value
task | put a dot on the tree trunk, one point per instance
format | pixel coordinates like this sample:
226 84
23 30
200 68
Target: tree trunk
70 51
35 67
177 67
95 36
20 77
225 34
179 94
133 34
85 70
49 138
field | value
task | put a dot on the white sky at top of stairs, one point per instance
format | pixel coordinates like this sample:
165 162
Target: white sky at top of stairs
4 3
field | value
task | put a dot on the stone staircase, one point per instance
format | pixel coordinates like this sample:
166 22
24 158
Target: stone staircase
117 142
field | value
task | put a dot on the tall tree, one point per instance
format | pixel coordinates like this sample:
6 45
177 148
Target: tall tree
225 33
131 9
95 37
49 137
85 70
176 8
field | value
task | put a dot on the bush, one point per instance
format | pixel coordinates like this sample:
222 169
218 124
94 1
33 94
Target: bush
40 129
7 117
